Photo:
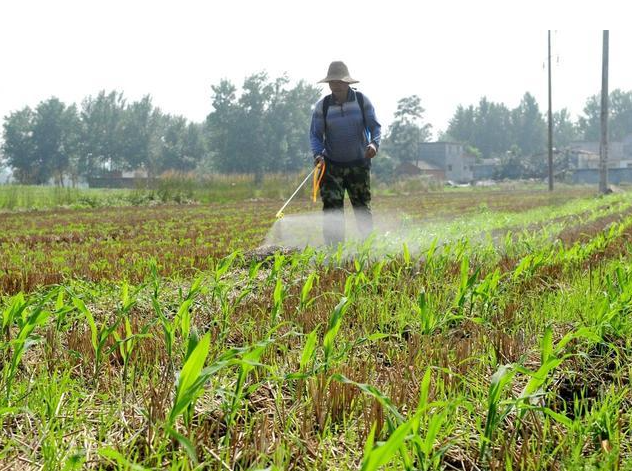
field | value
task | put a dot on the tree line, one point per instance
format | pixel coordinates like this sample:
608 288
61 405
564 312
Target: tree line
263 128
105 132
516 137
494 129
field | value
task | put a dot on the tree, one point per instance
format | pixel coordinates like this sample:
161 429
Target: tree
141 141
18 147
262 130
274 130
493 130
487 127
220 125
407 130
71 124
287 121
54 128
43 143
300 103
461 127
181 145
620 119
565 130
529 128
101 133
253 104
193 148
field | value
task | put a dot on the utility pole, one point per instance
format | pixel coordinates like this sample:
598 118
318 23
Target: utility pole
550 123
603 145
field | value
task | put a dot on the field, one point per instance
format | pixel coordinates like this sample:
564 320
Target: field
490 329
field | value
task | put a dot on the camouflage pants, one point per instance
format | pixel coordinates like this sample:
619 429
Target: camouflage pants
356 181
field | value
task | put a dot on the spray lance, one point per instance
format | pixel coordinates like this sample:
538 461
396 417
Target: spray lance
318 171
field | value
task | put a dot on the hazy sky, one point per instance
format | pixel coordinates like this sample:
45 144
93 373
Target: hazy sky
448 53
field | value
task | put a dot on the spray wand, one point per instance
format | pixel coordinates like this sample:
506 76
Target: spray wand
318 177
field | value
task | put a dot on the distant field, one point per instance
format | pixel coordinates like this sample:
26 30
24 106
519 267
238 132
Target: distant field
178 189
495 335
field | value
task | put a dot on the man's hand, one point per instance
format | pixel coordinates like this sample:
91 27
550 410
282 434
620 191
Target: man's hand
318 159
370 151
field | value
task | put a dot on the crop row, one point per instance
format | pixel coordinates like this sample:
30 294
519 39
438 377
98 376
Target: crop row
43 248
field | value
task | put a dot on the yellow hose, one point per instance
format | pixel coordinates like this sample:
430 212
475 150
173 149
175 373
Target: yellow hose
318 177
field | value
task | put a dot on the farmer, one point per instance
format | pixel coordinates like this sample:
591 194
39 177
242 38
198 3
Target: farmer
345 135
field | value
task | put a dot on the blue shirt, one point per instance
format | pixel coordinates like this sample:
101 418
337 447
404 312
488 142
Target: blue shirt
343 142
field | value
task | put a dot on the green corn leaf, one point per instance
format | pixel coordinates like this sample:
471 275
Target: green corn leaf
183 317
307 289
24 340
309 349
368 445
406 253
254 270
500 379
424 392
194 364
350 284
524 264
334 326
546 347
59 303
465 268
121 461
584 332
224 265
193 341
384 453
14 311
432 249
190 373
195 287
539 377
185 443
279 292
433 430
561 418
376 336
124 295
94 331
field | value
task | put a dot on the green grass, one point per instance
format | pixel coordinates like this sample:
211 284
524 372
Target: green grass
170 189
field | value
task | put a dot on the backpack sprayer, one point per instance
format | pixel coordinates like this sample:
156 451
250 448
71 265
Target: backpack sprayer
318 171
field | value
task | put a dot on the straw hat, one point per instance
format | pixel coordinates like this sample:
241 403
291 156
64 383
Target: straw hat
338 71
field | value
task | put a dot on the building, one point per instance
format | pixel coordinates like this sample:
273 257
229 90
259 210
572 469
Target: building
138 178
451 158
420 168
585 156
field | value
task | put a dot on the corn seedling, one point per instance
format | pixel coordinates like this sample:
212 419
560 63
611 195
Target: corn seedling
332 330
190 379
278 296
15 306
499 381
306 301
466 284
99 334
27 320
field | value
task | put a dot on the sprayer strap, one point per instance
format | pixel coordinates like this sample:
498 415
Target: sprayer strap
318 177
